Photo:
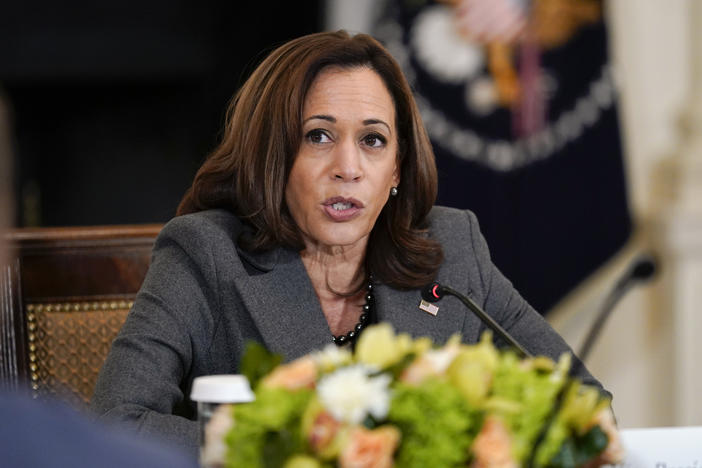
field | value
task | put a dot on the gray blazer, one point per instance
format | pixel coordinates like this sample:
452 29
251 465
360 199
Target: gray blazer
204 298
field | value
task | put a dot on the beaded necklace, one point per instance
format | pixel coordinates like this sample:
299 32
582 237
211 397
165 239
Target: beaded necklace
363 320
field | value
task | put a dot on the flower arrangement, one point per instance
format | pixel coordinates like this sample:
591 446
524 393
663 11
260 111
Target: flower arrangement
401 402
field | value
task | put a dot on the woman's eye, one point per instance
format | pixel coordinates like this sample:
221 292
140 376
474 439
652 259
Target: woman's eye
317 136
374 140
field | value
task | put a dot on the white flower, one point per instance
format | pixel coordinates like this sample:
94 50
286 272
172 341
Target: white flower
331 357
349 394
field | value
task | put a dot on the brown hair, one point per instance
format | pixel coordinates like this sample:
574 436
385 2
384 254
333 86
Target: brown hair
247 173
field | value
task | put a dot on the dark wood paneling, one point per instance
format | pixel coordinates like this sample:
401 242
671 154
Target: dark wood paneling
77 263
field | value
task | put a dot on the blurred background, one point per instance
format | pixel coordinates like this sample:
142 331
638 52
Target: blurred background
578 147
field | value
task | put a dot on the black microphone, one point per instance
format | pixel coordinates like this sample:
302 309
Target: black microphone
434 292
641 269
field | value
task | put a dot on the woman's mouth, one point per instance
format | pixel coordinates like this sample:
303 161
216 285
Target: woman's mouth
342 209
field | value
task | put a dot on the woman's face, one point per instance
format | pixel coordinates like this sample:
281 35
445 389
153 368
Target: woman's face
347 161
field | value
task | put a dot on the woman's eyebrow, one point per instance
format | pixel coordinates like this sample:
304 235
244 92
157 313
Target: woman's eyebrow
329 118
321 117
376 121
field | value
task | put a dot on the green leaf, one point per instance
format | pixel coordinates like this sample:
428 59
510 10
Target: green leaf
302 461
577 451
565 458
257 362
267 430
278 446
591 444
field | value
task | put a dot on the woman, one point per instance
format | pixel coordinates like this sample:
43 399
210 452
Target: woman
312 218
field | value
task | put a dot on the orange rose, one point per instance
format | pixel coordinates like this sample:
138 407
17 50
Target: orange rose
493 446
417 372
300 373
324 429
370 449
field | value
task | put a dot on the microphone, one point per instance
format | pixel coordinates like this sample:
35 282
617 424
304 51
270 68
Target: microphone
641 269
434 292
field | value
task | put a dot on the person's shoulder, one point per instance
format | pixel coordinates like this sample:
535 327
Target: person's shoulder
211 218
208 224
447 219
445 213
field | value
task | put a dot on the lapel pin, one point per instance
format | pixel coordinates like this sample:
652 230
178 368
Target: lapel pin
429 307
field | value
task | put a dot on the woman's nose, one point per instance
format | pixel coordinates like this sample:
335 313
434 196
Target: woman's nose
347 162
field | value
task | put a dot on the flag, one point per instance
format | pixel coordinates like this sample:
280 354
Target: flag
519 101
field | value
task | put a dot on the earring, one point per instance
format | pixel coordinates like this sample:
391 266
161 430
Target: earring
393 191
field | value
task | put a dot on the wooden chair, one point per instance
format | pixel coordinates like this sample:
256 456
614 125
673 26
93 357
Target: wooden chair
64 295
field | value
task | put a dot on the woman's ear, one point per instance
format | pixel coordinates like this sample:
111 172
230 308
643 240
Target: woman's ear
396 175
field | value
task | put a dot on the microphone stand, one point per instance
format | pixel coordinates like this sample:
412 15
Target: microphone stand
484 317
641 269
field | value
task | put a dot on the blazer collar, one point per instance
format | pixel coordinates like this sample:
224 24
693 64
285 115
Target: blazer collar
263 261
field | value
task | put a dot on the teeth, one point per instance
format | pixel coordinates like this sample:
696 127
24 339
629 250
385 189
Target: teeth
341 206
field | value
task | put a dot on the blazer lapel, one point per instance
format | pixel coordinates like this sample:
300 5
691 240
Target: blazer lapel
401 309
287 313
283 304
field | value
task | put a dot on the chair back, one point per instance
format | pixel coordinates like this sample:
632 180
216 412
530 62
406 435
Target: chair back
64 295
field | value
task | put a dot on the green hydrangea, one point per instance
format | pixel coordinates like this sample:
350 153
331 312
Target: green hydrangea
437 425
523 398
267 429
